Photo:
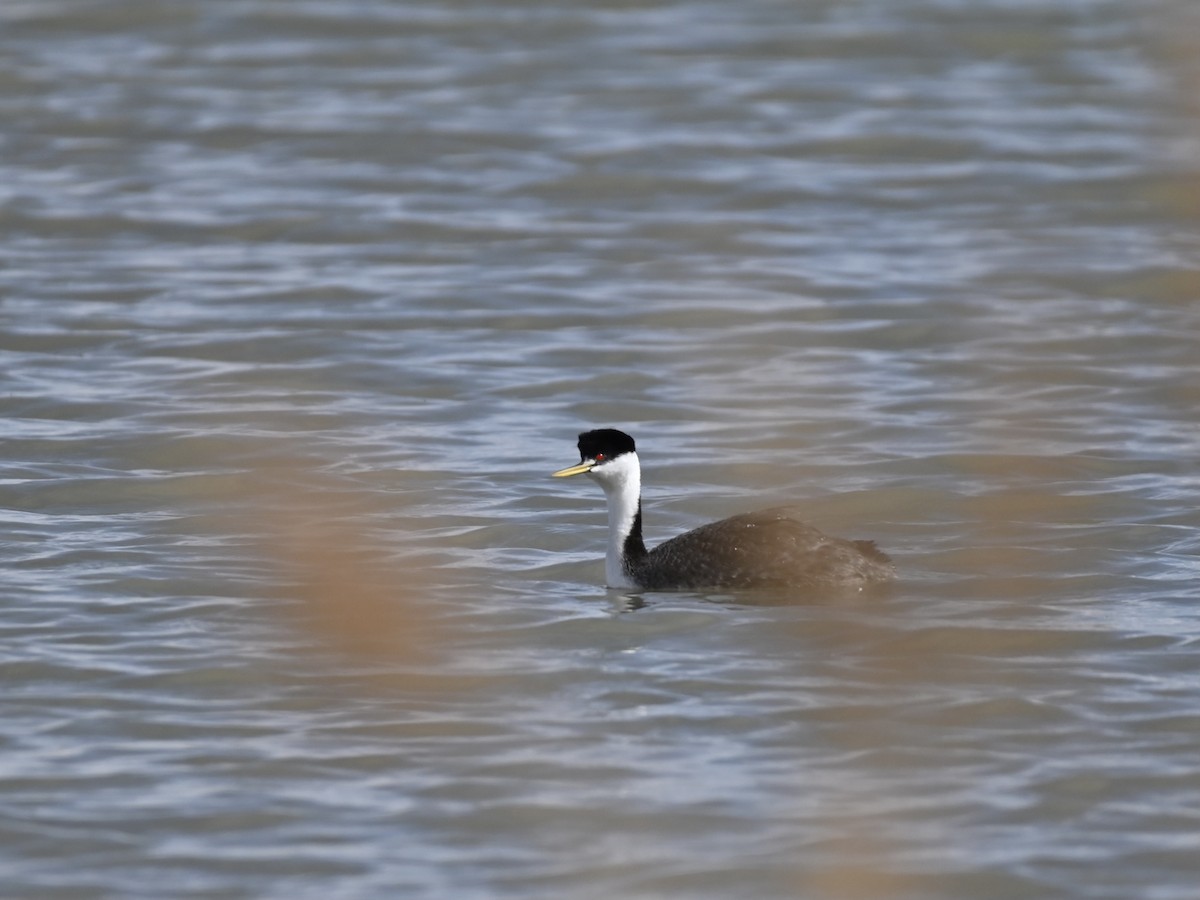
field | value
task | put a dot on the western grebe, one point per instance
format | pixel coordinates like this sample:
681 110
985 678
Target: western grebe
758 549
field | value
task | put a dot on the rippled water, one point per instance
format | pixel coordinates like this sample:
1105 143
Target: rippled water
301 303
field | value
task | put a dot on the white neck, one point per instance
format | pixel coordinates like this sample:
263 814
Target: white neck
621 479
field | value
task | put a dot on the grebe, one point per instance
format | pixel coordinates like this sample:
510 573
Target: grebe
758 549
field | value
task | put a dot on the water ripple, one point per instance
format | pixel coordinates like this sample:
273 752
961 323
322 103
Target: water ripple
302 302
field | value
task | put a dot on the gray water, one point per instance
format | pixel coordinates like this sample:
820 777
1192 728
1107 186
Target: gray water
301 303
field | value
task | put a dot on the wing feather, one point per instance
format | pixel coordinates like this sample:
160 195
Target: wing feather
766 548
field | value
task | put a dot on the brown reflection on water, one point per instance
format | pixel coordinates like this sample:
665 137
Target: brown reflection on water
354 598
861 873
912 691
339 582
1179 47
1181 286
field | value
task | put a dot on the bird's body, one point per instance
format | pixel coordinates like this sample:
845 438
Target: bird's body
769 548
765 548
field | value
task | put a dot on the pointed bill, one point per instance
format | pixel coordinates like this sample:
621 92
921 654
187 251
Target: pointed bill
584 466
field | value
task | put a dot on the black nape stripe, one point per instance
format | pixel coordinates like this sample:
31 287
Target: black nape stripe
635 547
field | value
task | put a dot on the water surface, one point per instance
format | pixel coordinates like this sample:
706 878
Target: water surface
302 302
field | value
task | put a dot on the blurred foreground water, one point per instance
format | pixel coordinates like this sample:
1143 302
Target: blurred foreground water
302 302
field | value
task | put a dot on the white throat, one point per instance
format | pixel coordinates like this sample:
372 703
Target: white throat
621 479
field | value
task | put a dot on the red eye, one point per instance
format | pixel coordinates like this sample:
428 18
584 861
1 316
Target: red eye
599 457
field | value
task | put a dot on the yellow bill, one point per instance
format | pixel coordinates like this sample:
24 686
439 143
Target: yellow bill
584 466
